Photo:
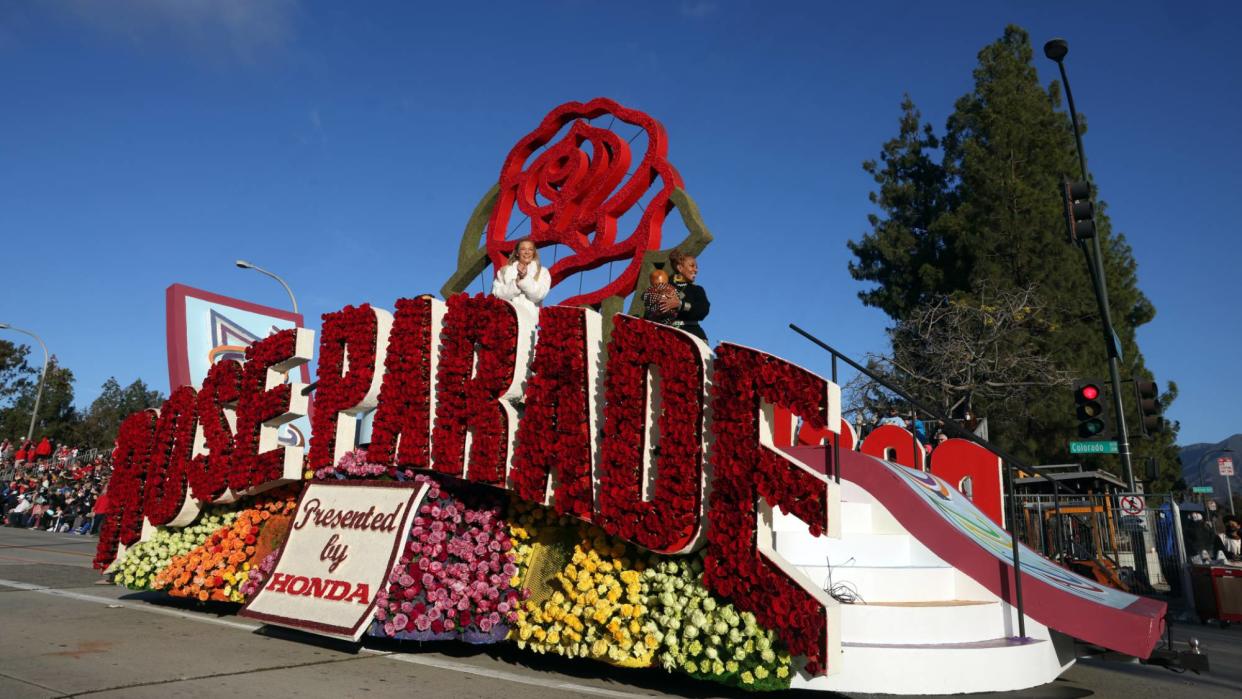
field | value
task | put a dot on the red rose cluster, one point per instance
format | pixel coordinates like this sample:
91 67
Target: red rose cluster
170 457
400 433
122 523
480 334
666 519
556 435
747 469
255 458
217 399
347 351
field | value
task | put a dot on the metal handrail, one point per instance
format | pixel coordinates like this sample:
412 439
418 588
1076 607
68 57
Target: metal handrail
1009 461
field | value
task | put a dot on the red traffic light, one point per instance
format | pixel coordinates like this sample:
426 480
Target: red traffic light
1089 392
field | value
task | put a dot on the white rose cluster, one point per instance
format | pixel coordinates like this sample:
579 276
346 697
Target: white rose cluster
143 560
705 638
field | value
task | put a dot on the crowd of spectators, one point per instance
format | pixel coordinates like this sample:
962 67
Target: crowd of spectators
56 489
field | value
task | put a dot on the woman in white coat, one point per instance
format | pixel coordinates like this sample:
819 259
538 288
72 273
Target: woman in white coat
523 281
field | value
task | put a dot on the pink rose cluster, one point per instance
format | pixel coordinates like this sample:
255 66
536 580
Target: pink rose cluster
259 575
453 578
353 465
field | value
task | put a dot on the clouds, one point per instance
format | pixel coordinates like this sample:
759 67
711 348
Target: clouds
231 30
698 9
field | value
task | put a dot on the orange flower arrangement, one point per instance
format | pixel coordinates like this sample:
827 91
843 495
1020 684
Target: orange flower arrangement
214 571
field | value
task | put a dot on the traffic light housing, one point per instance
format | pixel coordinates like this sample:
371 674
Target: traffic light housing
1079 211
1148 400
1091 409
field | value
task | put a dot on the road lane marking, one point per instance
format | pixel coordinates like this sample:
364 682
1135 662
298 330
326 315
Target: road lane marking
424 660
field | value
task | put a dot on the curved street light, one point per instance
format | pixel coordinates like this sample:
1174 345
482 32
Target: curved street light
42 377
246 265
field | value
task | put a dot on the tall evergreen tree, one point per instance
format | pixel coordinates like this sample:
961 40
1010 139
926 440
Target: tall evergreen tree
988 217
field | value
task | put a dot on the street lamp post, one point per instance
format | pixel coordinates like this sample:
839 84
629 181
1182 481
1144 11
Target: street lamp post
1056 50
246 265
42 377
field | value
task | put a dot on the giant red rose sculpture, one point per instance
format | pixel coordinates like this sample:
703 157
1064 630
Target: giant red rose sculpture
574 196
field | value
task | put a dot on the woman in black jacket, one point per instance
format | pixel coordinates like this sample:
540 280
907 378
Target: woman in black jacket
691 303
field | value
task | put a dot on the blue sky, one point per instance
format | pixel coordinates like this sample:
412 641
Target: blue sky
345 145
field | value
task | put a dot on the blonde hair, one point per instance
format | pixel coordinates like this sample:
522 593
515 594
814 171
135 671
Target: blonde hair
513 256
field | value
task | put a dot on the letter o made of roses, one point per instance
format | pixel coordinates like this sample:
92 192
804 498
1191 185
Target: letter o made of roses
669 518
167 501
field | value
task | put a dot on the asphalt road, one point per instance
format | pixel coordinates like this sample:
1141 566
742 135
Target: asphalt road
63 634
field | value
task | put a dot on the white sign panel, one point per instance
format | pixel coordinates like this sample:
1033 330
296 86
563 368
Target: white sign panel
1226 465
343 541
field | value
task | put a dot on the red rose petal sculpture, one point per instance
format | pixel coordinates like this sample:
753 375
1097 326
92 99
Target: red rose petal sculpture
574 197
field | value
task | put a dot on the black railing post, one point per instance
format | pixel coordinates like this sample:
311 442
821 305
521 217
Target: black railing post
1013 538
836 442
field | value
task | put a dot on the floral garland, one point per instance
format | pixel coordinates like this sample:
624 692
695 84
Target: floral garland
596 608
170 456
215 569
405 396
220 391
555 433
733 567
670 521
453 580
342 384
123 520
477 355
258 404
144 561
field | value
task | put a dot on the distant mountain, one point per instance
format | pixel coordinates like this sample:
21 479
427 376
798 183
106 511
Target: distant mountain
1199 464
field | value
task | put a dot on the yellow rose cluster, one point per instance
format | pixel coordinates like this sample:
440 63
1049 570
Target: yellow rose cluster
596 608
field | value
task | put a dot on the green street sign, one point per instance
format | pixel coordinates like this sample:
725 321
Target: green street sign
1093 447
1205 489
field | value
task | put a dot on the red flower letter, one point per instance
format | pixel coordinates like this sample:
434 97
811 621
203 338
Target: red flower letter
739 563
557 434
165 492
351 348
651 472
266 403
123 515
406 400
473 406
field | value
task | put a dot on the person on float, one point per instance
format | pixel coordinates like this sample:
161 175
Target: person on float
690 305
524 281
1229 543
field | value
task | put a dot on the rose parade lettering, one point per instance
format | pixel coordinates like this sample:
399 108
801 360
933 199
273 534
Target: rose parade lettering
552 453
654 438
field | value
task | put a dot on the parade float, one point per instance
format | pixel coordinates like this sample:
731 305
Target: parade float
579 481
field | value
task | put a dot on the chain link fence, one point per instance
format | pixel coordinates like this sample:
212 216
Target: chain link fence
1140 543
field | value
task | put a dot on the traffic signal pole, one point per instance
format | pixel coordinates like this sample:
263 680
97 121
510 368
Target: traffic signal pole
1056 50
